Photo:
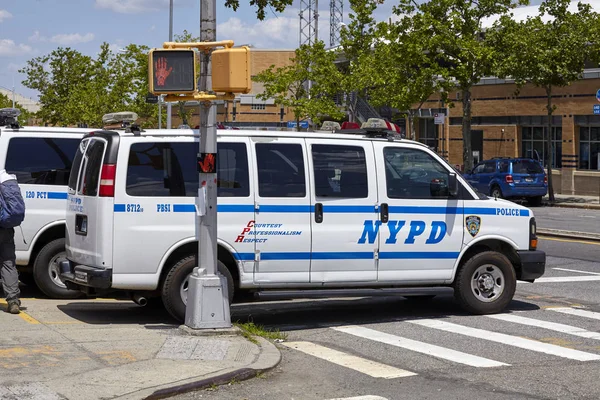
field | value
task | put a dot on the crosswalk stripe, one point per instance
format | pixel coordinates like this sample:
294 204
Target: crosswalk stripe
552 279
576 311
421 347
368 367
577 270
571 330
515 341
369 397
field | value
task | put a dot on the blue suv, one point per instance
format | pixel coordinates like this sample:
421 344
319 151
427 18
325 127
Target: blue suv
510 178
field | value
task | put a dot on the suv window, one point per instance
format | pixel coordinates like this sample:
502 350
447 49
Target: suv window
42 161
527 167
414 174
340 171
280 170
503 166
161 169
479 169
490 167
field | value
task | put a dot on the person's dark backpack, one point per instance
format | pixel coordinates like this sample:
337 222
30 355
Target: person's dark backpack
12 206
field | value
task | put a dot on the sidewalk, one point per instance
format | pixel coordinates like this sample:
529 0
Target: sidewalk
572 201
105 349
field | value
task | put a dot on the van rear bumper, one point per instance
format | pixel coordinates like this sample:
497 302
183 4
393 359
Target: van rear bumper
533 264
75 275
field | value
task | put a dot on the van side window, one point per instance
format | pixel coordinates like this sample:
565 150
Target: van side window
280 170
414 174
340 171
162 169
41 161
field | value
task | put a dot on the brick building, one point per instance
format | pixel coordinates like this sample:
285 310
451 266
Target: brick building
505 124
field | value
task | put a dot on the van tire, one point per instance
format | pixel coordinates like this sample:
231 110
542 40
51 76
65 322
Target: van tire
488 267
179 272
45 274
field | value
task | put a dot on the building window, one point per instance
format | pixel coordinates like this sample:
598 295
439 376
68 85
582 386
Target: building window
532 144
428 133
258 107
589 147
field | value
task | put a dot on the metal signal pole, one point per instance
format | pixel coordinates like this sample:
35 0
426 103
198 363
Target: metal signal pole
207 302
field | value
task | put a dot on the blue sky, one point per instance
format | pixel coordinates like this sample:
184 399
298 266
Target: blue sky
32 28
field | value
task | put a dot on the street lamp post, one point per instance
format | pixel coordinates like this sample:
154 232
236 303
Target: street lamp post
170 40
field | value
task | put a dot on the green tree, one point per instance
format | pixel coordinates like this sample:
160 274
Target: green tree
290 87
401 59
453 31
548 50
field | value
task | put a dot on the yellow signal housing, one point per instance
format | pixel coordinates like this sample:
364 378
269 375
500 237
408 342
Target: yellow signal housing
231 70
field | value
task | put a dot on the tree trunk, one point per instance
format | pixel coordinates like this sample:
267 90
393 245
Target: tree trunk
297 124
466 130
548 144
411 124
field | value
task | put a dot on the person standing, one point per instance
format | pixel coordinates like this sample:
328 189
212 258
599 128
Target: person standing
12 213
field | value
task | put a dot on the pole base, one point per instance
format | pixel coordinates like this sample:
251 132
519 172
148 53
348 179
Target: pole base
207 302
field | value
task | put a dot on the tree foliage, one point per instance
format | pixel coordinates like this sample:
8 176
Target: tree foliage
548 50
289 85
261 6
78 89
450 33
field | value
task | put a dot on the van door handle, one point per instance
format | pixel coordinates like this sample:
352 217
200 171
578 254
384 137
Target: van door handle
384 212
318 213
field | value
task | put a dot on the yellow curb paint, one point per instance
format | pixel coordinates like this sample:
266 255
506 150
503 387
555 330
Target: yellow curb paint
26 317
568 240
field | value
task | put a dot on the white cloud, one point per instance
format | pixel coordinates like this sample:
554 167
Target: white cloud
4 15
133 6
10 48
67 39
281 32
36 37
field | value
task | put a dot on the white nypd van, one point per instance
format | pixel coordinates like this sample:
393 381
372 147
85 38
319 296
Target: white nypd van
41 158
295 211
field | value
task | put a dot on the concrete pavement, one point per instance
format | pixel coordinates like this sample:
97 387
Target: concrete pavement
572 201
107 349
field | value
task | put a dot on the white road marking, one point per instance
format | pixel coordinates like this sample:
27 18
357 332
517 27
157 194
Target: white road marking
571 330
576 270
420 347
553 279
368 367
515 341
361 398
576 311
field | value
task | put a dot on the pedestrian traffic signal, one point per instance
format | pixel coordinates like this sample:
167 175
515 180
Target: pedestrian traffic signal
172 71
231 70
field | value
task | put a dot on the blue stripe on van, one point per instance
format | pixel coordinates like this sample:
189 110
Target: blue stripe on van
57 195
184 208
231 208
119 208
356 255
348 209
424 210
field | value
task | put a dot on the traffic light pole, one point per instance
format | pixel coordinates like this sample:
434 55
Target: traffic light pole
207 301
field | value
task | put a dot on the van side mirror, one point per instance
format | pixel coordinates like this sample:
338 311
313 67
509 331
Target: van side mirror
452 184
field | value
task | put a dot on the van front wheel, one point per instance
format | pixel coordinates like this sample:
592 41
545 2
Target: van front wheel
485 283
175 286
46 271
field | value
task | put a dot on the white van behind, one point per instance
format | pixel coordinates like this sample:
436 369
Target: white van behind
299 211
41 158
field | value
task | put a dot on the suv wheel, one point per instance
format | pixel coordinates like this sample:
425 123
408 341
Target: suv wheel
46 271
175 286
496 192
485 283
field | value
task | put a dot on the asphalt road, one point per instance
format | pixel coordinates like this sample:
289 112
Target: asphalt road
573 219
393 348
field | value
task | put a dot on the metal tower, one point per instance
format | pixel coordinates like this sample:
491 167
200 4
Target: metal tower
309 21
336 17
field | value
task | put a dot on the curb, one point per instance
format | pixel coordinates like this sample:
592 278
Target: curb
595 237
268 359
586 206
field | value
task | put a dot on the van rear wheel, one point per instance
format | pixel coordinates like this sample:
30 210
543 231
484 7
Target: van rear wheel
175 286
46 271
485 283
